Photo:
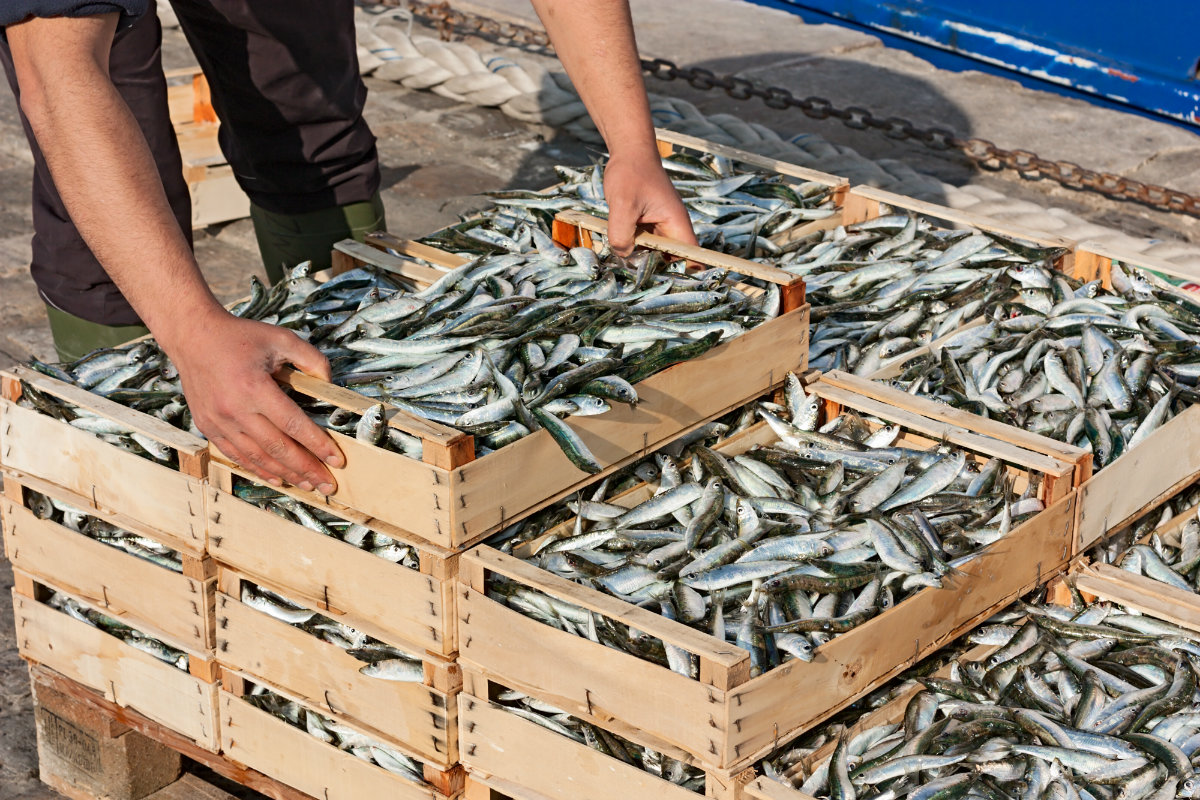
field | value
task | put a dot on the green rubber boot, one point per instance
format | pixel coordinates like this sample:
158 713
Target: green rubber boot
74 337
286 240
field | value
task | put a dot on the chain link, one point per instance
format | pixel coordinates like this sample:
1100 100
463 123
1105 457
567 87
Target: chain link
985 154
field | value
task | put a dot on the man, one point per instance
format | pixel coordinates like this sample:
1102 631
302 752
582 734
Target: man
112 237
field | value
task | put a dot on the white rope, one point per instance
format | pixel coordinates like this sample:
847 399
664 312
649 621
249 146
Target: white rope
527 91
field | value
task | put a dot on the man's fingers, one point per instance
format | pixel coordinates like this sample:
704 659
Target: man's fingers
287 417
304 356
622 227
280 454
238 457
677 226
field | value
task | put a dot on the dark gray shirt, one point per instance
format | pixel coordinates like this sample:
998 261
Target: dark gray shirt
13 11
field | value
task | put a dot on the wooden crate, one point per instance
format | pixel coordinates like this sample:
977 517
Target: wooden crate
671 142
252 737
414 608
185 702
727 719
420 719
163 503
176 608
533 762
452 499
215 193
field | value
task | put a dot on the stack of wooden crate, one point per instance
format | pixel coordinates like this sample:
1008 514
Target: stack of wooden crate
45 456
472 647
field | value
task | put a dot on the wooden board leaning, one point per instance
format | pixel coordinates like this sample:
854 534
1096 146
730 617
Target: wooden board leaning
453 499
727 719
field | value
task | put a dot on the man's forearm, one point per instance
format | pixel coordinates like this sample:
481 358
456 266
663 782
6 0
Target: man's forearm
594 40
107 176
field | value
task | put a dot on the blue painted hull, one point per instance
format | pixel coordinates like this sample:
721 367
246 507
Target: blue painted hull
1146 58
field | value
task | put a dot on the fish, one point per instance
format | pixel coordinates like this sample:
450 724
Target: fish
1018 721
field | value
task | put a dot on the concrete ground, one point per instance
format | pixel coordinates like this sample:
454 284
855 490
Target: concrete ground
437 154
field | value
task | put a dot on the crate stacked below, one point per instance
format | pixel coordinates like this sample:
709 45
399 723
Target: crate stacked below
514 754
726 719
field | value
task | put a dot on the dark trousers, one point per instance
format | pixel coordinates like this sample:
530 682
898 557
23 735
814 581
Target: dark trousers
285 85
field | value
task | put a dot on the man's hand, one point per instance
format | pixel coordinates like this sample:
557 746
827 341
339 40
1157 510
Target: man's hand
226 376
594 41
106 175
640 196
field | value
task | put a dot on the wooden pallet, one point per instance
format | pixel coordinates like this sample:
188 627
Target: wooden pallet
176 608
215 193
412 607
453 499
727 719
183 701
420 719
534 763
165 504
308 765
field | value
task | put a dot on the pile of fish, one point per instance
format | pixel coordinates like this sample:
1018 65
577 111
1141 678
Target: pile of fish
595 737
884 287
1095 369
1090 702
115 627
732 210
327 524
341 736
46 507
505 345
137 376
382 660
777 549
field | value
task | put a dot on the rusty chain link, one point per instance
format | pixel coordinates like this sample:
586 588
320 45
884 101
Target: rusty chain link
987 155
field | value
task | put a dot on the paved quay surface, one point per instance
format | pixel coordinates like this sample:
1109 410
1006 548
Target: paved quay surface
437 154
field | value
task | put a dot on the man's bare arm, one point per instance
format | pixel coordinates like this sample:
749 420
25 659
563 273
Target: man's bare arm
594 40
107 178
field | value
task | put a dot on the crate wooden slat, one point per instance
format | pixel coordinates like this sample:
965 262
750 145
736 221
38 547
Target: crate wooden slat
1094 260
289 755
1141 594
1143 478
112 480
418 718
389 601
727 719
452 499
174 607
498 744
964 421
121 673
863 203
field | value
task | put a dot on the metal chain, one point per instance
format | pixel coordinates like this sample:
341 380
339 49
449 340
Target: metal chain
987 155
